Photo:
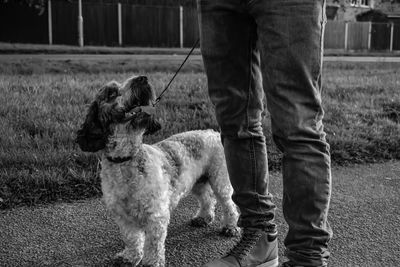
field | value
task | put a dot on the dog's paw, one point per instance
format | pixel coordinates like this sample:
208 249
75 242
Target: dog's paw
230 231
119 261
201 221
153 264
127 258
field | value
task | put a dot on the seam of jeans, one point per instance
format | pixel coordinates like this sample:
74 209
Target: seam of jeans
254 171
320 113
324 217
249 73
250 84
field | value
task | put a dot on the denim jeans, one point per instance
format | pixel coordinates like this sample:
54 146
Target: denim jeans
272 47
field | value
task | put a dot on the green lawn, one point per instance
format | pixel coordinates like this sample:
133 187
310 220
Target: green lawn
43 103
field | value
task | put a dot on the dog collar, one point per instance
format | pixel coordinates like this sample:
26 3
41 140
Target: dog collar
119 159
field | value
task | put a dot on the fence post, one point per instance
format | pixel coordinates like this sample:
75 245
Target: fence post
50 22
119 24
181 26
369 35
391 36
80 24
346 35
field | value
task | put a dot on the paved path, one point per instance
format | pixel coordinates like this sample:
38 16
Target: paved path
103 57
365 217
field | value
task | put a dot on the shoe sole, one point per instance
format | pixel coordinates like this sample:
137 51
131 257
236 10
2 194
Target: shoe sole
272 263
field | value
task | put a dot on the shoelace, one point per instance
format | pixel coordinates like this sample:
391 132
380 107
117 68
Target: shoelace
247 242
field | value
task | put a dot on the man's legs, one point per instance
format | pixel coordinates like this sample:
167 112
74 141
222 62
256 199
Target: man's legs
291 35
231 60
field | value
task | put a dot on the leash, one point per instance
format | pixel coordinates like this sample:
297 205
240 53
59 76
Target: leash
176 73
152 109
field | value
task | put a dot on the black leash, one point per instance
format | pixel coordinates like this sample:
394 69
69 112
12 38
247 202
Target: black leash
176 73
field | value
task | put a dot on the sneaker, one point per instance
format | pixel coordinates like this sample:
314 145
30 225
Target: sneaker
255 249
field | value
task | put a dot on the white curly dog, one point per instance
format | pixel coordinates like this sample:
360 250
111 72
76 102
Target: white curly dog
143 183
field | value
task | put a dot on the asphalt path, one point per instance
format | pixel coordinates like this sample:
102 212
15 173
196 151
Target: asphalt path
87 57
364 215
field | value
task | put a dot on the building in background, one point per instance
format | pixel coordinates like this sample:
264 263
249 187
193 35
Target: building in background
354 10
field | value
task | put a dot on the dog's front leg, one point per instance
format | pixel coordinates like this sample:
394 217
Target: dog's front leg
134 242
154 245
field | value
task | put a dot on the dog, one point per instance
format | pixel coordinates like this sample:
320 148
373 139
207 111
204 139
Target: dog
142 183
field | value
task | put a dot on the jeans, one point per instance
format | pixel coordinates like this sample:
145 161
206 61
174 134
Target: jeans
272 47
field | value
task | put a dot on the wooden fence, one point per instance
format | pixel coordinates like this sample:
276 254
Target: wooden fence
116 24
362 36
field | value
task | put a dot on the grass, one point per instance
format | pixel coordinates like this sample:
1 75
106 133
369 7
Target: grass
43 102
32 66
362 103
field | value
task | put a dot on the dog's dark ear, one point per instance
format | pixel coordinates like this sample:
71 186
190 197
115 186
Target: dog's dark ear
91 137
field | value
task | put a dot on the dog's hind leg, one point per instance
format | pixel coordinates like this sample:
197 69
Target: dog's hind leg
223 190
134 241
204 194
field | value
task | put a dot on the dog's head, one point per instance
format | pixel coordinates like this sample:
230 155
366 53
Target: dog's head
118 112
